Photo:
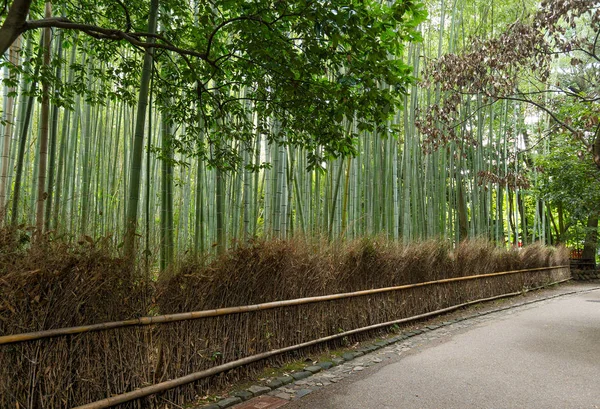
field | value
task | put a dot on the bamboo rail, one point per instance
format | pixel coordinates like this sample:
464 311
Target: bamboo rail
185 316
173 383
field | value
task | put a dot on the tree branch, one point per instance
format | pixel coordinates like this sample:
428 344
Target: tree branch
14 25
113 34
549 112
254 17
127 16
560 90
212 35
596 147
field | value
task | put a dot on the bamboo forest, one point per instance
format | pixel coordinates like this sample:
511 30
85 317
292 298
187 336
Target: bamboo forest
190 127
194 192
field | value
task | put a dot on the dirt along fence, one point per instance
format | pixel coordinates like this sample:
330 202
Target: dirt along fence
69 367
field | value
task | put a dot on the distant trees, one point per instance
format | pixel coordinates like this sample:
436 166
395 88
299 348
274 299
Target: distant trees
544 62
239 119
570 181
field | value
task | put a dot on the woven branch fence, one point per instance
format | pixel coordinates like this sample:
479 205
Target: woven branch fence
69 367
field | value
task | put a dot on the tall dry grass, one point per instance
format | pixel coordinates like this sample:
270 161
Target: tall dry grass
49 284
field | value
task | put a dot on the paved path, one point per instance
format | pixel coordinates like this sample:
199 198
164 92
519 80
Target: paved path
543 355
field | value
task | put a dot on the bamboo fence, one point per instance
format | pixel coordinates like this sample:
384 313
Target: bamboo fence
176 356
193 315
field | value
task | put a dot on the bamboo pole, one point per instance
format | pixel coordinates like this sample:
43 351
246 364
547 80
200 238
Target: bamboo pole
173 383
14 57
185 316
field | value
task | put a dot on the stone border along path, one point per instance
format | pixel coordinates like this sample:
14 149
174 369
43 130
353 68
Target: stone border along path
299 384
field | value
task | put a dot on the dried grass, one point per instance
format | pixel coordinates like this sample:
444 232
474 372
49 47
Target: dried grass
51 285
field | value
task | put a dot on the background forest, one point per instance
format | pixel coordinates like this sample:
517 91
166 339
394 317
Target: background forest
166 156
187 127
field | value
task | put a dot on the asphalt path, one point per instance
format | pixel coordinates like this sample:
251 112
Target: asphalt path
545 355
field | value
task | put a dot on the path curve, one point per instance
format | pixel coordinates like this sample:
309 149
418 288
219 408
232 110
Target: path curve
543 355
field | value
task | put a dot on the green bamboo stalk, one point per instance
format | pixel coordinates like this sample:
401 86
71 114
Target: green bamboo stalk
13 58
63 148
220 209
53 140
138 147
200 228
23 143
166 220
45 122
148 181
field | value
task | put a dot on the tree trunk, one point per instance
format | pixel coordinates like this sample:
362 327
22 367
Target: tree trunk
138 142
14 24
562 228
147 193
336 191
591 239
22 146
9 117
596 147
462 212
220 212
53 138
86 169
63 152
45 122
166 206
523 215
199 244
511 220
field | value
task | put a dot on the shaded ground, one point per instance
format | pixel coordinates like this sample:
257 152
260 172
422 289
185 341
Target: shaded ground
543 355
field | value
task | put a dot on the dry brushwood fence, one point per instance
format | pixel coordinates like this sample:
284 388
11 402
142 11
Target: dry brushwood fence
50 286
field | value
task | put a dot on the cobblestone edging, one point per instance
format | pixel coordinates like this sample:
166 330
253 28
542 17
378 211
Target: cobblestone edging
322 374
585 275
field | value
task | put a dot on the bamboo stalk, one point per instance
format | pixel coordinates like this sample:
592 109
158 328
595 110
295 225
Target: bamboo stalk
14 57
173 383
185 316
